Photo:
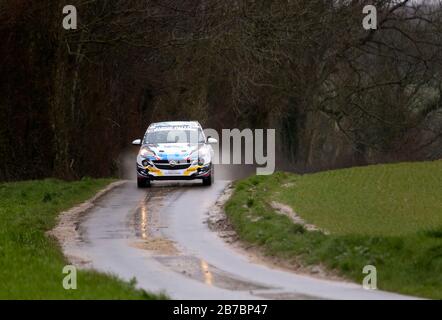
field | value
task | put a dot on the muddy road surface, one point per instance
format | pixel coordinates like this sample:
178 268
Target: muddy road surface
160 237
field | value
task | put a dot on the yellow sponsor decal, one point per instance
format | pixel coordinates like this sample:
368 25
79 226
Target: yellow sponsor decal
154 170
159 172
191 170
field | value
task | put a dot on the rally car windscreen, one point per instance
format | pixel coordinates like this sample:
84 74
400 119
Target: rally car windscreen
173 136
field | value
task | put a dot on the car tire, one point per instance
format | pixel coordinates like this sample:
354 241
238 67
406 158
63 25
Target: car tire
209 180
143 183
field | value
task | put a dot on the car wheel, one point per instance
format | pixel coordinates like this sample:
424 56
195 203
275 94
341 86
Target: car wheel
143 183
209 180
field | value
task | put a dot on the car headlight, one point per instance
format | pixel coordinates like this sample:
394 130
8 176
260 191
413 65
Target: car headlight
202 156
202 161
145 152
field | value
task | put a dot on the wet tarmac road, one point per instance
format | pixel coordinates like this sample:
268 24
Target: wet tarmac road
159 236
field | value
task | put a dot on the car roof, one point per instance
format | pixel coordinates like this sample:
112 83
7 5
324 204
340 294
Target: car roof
167 124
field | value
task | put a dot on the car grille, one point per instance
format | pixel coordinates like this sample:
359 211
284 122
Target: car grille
165 165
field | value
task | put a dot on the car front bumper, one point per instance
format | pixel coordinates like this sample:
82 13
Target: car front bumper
193 172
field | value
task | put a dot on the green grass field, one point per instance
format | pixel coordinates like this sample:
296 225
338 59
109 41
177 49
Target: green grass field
389 216
31 263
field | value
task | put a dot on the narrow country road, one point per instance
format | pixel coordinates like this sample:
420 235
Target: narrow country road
159 236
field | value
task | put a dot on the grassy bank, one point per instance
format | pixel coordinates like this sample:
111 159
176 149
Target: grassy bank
30 263
389 216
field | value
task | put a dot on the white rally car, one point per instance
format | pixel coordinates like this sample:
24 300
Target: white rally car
174 150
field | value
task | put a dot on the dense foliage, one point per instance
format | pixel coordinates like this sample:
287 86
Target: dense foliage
71 101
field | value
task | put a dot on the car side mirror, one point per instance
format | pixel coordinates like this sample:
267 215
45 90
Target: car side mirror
212 141
137 142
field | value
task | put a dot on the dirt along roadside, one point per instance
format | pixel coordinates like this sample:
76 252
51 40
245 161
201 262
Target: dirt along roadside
219 222
66 232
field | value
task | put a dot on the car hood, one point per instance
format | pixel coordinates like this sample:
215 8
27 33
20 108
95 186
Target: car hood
173 151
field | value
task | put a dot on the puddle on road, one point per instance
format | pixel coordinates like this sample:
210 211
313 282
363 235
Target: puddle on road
147 227
143 221
157 245
147 222
200 270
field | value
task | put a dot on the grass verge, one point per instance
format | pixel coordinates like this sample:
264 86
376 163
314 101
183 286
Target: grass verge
389 216
31 263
